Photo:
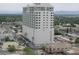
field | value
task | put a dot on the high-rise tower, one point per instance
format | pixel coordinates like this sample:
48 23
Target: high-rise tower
38 21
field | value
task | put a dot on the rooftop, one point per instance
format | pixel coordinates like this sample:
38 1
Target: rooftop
40 5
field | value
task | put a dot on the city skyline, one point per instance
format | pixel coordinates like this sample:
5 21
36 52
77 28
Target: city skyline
40 29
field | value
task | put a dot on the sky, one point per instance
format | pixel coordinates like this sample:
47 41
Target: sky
17 7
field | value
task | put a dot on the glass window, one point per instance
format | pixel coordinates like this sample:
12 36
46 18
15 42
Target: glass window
39 22
44 20
42 8
39 17
51 20
44 12
47 12
51 27
31 8
51 15
47 19
49 8
36 20
39 12
36 12
43 17
24 9
36 17
37 27
51 12
46 26
46 15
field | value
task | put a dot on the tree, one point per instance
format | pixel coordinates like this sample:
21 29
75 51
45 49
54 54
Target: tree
11 48
27 51
72 25
43 48
71 39
16 30
56 32
77 40
7 38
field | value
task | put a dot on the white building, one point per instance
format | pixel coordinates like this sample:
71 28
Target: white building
38 23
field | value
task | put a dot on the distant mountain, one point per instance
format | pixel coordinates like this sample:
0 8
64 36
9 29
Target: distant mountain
61 13
10 14
74 13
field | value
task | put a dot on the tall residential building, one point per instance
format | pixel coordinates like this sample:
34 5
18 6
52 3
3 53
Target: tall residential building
38 21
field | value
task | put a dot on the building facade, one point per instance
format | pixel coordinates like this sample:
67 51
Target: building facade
38 21
58 47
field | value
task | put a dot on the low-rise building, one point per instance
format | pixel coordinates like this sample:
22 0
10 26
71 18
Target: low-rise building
58 47
62 38
73 51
